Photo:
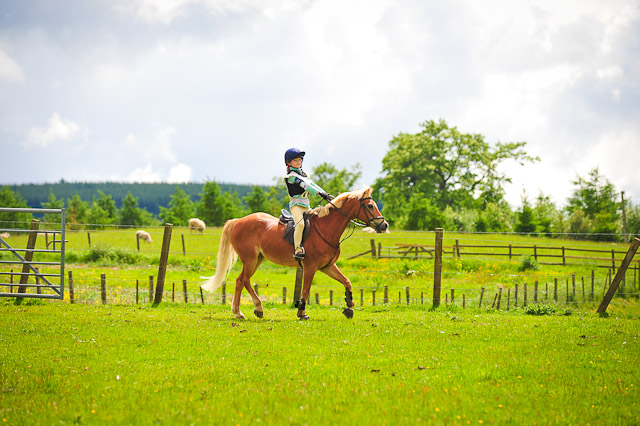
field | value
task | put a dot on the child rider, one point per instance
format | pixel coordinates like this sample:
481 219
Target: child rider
299 185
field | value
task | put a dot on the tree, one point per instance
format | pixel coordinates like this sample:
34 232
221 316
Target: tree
180 209
422 214
526 221
216 207
334 180
596 197
448 167
52 203
545 214
13 219
256 200
131 214
103 210
76 211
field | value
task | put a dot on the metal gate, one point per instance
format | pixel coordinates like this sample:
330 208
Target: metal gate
41 265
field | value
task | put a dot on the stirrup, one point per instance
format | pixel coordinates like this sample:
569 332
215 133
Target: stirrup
299 253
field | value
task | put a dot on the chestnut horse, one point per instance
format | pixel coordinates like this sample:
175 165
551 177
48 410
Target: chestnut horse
259 235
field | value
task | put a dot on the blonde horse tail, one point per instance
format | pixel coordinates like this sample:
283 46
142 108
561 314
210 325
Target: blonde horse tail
227 257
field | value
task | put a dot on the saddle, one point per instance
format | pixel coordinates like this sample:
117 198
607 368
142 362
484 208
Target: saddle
287 220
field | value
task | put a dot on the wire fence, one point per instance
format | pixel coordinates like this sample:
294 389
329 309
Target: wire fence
495 285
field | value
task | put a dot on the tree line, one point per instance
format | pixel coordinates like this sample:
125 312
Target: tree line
438 177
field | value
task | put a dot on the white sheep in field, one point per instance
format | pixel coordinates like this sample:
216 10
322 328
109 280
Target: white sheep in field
144 235
5 235
197 224
369 230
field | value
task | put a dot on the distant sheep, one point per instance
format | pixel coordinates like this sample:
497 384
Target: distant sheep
197 224
144 235
369 230
5 235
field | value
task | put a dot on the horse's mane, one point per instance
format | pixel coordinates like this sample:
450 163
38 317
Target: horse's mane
339 201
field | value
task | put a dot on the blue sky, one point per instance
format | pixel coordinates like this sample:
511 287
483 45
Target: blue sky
187 90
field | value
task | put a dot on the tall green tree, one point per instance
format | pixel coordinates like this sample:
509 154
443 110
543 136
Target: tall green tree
216 207
76 211
526 220
180 209
334 180
131 214
52 203
13 219
448 167
256 200
597 198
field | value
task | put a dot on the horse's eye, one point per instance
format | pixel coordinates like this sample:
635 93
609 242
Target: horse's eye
370 206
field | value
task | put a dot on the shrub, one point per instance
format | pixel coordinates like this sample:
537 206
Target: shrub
527 264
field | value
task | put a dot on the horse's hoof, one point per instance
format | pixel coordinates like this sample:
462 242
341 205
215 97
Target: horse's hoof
348 313
303 317
258 313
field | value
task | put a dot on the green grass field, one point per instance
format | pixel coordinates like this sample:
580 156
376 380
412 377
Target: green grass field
188 363
194 364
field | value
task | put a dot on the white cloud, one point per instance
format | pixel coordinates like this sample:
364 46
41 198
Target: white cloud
180 173
10 70
144 174
59 129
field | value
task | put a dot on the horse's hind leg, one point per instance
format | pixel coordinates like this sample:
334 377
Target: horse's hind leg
235 305
249 267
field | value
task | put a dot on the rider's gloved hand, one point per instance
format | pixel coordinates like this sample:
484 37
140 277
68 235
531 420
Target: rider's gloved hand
326 196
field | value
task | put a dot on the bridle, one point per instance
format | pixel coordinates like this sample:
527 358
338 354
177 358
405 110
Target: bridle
356 222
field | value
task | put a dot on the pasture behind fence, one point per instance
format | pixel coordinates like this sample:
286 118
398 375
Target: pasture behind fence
559 290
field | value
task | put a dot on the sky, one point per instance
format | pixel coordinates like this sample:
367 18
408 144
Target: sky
194 90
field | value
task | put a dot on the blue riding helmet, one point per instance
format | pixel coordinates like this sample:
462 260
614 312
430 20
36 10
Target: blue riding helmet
292 153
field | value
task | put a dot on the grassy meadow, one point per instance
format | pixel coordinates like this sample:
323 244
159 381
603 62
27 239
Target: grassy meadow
394 363
194 364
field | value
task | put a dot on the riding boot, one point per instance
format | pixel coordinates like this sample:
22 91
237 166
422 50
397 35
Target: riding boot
299 253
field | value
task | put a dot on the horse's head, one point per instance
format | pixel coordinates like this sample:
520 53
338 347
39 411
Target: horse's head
359 206
370 215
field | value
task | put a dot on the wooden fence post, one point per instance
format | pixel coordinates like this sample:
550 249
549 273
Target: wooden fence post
223 297
184 248
71 293
453 296
184 290
28 256
516 297
633 248
408 297
555 290
535 293
103 288
437 267
524 303
386 295
164 258
201 295
138 241
284 295
508 298
373 296
361 297
330 297
573 283
499 297
136 292
89 238
373 248
481 295
150 288
317 299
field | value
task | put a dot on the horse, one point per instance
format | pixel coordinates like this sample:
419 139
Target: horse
197 224
258 236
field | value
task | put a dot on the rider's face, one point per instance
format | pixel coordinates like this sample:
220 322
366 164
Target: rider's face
296 162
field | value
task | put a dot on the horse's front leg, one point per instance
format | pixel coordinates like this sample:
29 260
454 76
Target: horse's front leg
337 275
306 289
